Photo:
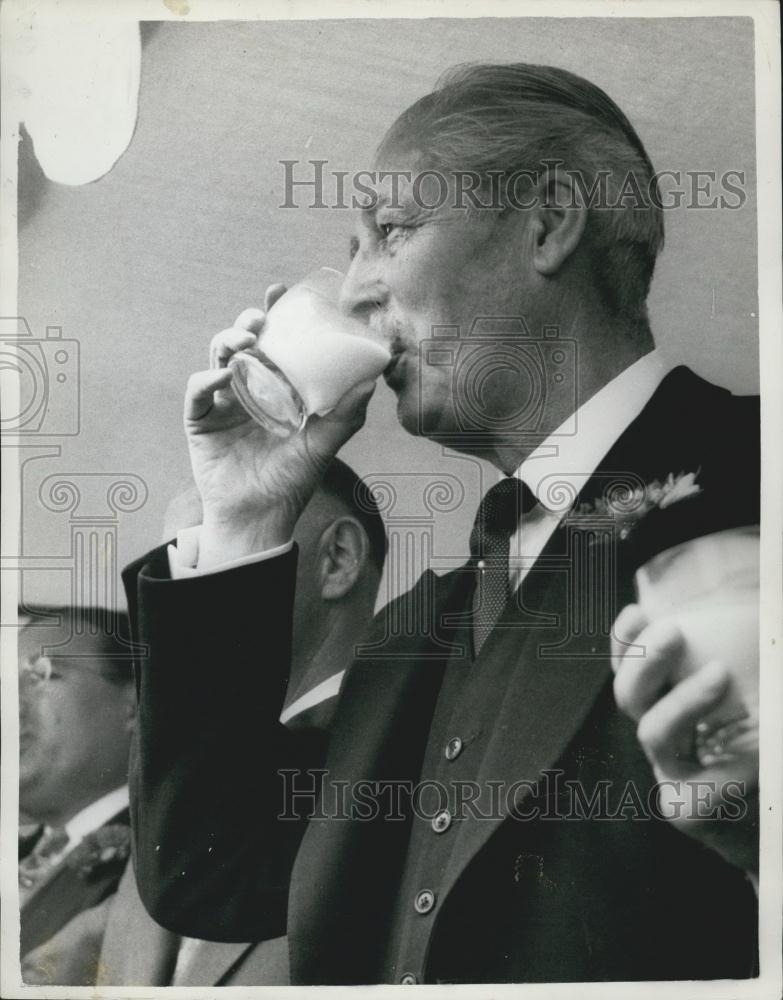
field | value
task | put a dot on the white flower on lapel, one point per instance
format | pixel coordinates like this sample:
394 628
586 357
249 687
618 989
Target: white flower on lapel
627 508
683 486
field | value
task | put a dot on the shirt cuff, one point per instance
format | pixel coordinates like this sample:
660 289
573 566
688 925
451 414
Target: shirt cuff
183 557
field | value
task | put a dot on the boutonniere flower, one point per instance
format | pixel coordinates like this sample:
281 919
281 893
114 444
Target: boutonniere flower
626 508
103 848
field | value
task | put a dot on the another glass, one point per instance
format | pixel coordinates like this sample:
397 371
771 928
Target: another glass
308 355
709 588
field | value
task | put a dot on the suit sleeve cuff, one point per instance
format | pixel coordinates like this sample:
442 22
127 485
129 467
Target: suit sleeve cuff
183 557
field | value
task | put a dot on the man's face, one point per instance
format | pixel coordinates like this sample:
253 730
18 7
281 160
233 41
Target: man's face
416 268
73 729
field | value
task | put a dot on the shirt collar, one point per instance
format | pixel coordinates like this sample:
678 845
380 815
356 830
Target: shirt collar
329 688
561 465
96 814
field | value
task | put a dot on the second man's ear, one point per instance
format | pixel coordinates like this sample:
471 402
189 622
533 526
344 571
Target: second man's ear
343 552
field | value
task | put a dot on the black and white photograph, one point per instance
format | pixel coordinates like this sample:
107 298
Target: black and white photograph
391 507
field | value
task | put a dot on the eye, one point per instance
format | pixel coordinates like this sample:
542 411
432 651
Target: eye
387 228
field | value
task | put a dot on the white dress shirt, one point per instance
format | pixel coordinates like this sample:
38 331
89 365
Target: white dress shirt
90 818
562 464
183 557
96 814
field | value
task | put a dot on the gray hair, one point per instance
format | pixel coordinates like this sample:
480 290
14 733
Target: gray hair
507 118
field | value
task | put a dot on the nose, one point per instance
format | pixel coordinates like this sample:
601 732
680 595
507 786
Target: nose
363 292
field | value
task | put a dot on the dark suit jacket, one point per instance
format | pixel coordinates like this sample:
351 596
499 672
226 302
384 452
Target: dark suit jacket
136 951
535 899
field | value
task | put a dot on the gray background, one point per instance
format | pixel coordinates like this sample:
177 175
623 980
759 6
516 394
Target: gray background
144 265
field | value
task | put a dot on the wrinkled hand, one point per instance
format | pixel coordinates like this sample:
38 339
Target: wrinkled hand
254 485
708 777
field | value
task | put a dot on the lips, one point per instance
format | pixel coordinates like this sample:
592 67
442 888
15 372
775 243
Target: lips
392 374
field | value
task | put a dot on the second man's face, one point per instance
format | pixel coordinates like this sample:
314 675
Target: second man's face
73 726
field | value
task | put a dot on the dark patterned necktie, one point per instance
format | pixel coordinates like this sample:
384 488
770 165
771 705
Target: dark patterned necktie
40 861
497 519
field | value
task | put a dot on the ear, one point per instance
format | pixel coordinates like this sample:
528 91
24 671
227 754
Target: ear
558 224
343 553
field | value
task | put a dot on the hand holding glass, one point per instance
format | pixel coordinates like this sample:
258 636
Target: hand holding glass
709 589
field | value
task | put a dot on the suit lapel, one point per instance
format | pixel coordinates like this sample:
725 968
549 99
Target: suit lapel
62 895
28 839
546 700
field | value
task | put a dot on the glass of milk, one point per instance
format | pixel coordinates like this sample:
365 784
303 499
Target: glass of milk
308 355
709 588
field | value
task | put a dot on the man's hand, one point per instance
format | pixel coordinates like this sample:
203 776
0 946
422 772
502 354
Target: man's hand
707 773
253 484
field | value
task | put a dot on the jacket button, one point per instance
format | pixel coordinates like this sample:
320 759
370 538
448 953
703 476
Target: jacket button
442 821
408 979
425 900
453 748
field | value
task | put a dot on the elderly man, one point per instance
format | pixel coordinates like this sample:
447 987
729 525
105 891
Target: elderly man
454 838
76 716
342 542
